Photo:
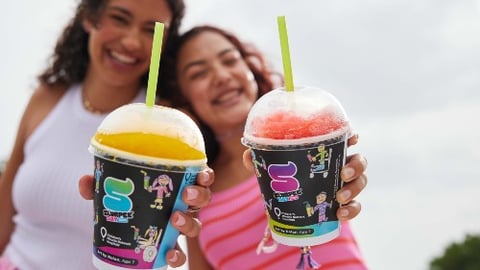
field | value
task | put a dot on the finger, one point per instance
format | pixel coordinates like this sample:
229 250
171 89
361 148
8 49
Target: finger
185 224
85 186
247 160
196 196
176 257
355 166
352 189
205 177
353 140
349 211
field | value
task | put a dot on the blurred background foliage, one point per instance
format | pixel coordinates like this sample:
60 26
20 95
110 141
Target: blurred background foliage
463 255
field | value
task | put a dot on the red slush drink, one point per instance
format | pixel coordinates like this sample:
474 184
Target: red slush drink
298 142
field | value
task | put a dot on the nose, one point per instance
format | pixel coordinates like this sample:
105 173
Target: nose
132 40
221 75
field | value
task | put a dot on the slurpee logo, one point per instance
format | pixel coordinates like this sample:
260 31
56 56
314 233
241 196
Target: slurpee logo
117 203
283 182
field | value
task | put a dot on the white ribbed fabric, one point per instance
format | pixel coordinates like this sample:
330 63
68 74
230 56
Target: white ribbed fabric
54 225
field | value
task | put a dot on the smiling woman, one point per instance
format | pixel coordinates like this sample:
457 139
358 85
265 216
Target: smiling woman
100 63
213 72
120 43
218 79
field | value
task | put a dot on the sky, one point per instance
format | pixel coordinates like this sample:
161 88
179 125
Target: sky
406 72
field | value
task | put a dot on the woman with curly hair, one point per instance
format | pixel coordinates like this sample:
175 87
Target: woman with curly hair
100 63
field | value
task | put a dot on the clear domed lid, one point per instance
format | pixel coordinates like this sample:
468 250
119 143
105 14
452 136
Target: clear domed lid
303 113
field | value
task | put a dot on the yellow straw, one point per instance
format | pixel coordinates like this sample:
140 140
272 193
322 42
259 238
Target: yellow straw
154 64
287 66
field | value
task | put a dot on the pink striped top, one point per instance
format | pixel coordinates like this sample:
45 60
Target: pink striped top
234 223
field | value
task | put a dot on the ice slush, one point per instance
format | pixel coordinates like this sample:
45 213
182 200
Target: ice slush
143 157
298 142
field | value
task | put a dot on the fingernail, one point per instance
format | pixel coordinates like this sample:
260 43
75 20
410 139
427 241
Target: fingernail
344 195
180 221
347 173
202 176
192 194
344 212
174 258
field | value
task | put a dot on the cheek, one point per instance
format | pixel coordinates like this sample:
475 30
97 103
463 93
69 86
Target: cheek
97 38
195 91
186 90
147 45
103 33
249 81
94 48
197 96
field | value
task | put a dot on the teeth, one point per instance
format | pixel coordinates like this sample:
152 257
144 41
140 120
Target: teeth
123 58
227 96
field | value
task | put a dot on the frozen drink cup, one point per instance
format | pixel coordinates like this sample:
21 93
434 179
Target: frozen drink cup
143 158
298 141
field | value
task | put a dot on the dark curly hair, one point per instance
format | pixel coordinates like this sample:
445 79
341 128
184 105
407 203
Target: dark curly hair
255 60
69 62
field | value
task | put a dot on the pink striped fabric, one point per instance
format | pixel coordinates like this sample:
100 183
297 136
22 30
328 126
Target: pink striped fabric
234 223
6 264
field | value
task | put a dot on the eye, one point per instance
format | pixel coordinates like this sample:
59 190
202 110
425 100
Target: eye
119 19
198 74
149 30
231 61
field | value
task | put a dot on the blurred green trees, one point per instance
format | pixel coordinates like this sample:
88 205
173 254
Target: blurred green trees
459 256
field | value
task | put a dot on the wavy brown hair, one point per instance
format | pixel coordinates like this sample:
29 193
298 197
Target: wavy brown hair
70 59
255 60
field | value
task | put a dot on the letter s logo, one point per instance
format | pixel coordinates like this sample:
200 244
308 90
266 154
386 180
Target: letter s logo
283 179
117 191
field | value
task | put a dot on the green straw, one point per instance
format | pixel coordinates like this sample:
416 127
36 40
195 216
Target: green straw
154 64
287 66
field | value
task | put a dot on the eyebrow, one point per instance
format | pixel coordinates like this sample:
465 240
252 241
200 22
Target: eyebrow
202 62
129 15
121 10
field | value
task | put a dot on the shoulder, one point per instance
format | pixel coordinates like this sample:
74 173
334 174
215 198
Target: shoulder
42 101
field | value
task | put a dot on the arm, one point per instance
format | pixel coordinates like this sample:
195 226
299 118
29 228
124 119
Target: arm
6 181
196 259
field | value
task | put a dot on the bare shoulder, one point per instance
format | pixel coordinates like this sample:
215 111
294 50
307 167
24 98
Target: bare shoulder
42 101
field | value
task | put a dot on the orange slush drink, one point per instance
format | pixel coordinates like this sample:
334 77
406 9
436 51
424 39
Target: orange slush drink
150 145
298 142
143 159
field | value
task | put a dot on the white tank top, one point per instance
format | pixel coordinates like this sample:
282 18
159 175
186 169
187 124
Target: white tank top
54 224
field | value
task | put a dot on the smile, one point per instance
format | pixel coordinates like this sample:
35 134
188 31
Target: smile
122 58
228 97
